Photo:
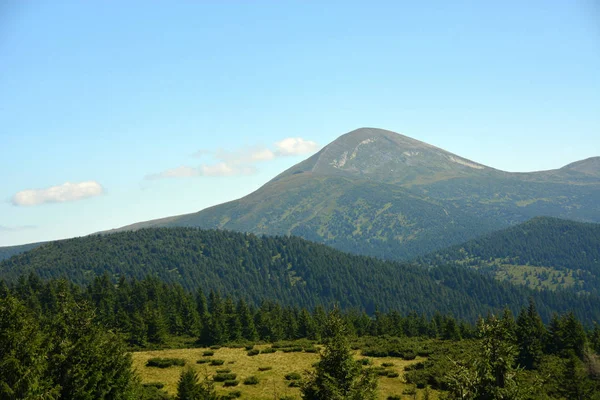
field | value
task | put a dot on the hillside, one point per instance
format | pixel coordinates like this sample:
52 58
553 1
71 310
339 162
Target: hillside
9 251
290 270
541 253
379 193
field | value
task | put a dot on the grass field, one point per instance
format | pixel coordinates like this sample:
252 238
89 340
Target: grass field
272 383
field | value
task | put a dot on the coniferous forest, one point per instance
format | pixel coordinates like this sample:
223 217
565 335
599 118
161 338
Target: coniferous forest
64 341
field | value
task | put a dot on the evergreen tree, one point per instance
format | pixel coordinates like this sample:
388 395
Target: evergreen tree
338 376
531 334
188 386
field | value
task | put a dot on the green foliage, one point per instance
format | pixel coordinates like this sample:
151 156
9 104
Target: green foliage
337 375
251 380
253 352
165 362
289 271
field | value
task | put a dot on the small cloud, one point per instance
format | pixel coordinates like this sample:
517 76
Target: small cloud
58 194
179 172
295 147
4 228
240 161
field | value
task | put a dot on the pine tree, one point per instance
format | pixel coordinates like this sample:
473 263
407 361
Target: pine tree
338 376
187 386
531 333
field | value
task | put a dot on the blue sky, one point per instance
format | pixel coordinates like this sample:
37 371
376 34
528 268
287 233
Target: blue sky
117 112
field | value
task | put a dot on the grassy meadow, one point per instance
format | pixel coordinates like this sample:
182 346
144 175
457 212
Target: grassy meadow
272 383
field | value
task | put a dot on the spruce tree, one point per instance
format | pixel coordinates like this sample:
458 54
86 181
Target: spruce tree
338 376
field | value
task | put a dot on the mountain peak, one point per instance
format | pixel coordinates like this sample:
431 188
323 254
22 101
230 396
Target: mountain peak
385 156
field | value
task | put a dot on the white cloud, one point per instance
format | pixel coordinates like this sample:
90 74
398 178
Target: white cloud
179 172
240 161
295 147
58 194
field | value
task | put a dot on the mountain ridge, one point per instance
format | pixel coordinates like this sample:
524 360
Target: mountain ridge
375 192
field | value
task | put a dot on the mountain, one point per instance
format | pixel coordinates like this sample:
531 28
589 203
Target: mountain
547 253
289 270
9 251
379 193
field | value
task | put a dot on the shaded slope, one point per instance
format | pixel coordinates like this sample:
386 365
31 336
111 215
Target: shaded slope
288 269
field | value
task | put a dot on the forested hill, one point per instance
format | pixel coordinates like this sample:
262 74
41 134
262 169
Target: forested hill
290 270
544 251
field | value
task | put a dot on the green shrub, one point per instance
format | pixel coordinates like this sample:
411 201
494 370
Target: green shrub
269 350
295 349
254 352
365 361
158 385
394 397
202 361
294 384
217 362
208 353
249 347
265 368
388 364
251 380
311 349
231 383
293 376
409 355
375 352
393 374
222 377
165 362
223 371
215 347
233 395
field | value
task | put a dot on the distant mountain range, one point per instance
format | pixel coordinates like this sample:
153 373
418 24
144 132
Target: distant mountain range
379 193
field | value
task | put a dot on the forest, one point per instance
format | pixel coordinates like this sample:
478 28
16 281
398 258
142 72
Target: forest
288 270
64 341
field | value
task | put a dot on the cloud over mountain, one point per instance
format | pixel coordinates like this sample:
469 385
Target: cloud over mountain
68 191
240 161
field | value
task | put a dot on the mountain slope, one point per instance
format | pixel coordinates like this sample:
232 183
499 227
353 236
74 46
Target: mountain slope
290 270
543 252
375 192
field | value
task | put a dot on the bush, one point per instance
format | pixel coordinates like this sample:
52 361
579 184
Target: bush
158 385
254 352
269 350
223 371
311 350
409 355
294 384
208 353
233 395
364 361
394 397
215 347
293 376
265 368
165 362
202 361
249 347
388 364
251 380
375 352
216 362
231 383
393 374
222 377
